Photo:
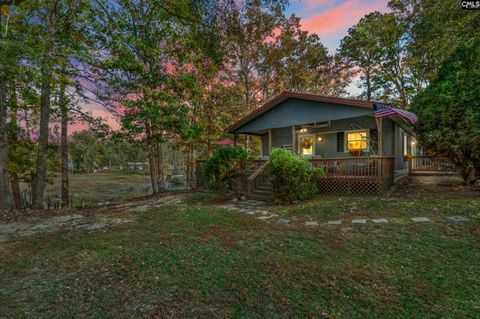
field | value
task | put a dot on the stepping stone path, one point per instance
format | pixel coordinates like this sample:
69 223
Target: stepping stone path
252 208
311 223
334 222
359 221
420 219
265 217
458 218
380 221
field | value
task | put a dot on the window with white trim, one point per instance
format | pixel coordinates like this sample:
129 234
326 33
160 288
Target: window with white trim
357 141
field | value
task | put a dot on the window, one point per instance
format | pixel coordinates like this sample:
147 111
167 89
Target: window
340 142
356 141
306 145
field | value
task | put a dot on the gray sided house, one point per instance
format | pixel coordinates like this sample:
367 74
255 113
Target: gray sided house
347 137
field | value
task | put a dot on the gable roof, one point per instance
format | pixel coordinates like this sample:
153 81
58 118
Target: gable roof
301 96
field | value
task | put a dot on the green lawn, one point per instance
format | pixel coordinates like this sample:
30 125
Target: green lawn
195 260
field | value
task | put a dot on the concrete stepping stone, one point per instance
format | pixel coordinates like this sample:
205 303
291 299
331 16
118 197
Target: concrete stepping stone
359 221
283 221
264 217
311 223
420 219
380 221
334 222
250 213
458 218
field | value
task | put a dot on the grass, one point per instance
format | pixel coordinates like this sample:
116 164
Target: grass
103 187
195 260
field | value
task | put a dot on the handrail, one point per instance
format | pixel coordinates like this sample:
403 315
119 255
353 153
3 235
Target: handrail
257 172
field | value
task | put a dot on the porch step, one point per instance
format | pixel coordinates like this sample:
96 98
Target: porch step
264 188
263 192
263 198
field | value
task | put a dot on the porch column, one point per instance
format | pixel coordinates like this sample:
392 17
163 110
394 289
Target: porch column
269 142
294 141
380 136
235 139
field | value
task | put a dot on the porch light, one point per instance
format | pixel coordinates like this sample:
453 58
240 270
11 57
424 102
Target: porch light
303 130
413 143
319 139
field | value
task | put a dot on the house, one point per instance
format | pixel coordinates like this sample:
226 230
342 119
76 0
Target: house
362 145
136 166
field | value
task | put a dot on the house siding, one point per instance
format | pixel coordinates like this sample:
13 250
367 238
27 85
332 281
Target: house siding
327 147
296 112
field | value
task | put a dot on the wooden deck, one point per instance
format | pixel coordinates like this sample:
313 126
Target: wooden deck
349 175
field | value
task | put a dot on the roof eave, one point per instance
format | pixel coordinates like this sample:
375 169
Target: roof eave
302 96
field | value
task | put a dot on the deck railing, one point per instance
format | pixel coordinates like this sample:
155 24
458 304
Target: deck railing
430 164
356 167
349 175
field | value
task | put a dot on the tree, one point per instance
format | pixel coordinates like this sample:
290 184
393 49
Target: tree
435 29
376 49
8 51
47 26
147 56
449 112
296 60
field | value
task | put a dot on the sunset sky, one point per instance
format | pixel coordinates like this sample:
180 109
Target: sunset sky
330 19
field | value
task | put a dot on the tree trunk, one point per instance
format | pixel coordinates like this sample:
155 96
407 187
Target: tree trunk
369 86
46 72
41 169
64 146
6 200
14 180
15 185
470 172
153 171
159 161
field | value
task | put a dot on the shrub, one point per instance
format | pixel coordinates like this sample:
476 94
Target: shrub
223 168
293 174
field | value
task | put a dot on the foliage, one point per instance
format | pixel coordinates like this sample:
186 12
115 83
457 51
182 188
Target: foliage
435 29
90 152
449 112
294 175
397 54
375 49
222 169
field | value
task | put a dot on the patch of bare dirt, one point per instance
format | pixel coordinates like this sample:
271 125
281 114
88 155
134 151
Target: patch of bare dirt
29 222
13 215
432 185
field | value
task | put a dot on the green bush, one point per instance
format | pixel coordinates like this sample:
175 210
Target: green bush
223 168
294 175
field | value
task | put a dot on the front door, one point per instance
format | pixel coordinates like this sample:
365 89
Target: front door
306 145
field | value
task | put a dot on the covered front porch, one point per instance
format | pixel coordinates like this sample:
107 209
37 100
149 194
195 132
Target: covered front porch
359 146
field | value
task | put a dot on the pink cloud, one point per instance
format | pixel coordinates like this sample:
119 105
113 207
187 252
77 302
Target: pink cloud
340 18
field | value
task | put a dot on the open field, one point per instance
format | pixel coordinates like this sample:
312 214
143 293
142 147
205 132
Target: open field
103 187
188 257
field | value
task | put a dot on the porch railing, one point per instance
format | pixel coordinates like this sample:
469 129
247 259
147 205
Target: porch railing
430 164
377 168
259 177
357 167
